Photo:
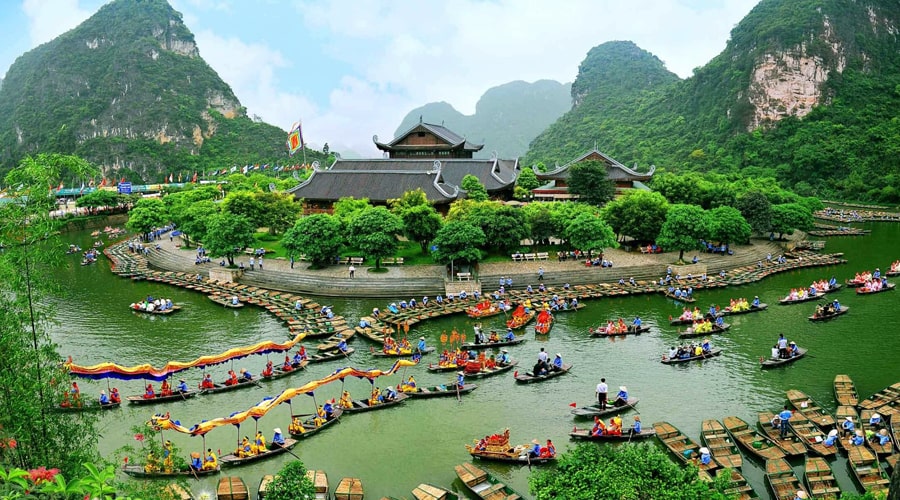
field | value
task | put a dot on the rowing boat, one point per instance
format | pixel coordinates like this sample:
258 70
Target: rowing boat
177 396
309 426
811 410
241 384
866 469
715 437
280 372
819 293
630 330
885 397
728 312
483 309
820 479
320 481
773 362
330 355
232 488
162 312
790 444
440 391
427 491
845 391
264 486
468 346
681 320
886 288
225 301
529 377
483 484
882 450
89 406
402 353
755 443
349 488
497 447
782 480
812 436
361 405
544 323
487 372
737 487
826 316
682 446
671 361
273 450
585 434
518 320
595 411
716 328
681 298
139 471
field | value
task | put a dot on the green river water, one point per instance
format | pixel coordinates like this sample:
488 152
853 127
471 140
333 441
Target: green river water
393 450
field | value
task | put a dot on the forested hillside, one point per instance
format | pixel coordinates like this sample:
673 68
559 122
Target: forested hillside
805 90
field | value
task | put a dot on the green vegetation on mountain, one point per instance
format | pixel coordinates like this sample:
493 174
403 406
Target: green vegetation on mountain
506 119
747 111
128 90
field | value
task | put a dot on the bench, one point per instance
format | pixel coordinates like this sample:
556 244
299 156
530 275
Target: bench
394 261
517 257
356 261
542 255
464 276
529 256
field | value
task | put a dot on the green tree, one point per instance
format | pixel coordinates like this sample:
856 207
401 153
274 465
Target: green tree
540 221
409 199
32 378
680 189
589 472
639 214
757 211
458 241
421 223
563 213
346 209
683 229
727 225
279 211
100 198
504 227
317 236
291 483
193 220
528 179
245 204
147 215
590 181
473 188
590 232
228 234
788 217
374 232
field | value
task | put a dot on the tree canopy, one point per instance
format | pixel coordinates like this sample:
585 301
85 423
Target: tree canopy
683 229
228 234
727 225
788 217
458 241
147 215
590 232
590 181
421 223
638 214
317 236
374 231
474 189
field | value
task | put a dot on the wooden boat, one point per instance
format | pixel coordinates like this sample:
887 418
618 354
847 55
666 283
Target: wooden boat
544 323
773 362
469 346
886 288
595 411
819 294
679 321
845 391
529 377
232 488
161 312
402 353
361 405
518 454
518 320
234 460
242 384
728 312
280 372
723 450
882 450
178 396
782 480
92 405
711 354
738 488
483 309
866 469
631 330
225 301
755 443
263 486
487 372
689 333
320 481
309 426
483 484
895 432
440 391
349 488
811 410
892 462
427 491
177 492
826 316
139 471
329 355
811 435
585 434
682 446
820 480
689 300
790 445
885 397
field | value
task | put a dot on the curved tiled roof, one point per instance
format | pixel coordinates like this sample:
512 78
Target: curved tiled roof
452 139
616 171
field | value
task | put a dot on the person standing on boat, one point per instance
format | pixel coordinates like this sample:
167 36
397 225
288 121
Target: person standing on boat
783 346
234 300
602 391
784 421
252 263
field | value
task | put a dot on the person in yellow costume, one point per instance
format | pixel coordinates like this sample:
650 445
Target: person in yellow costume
152 464
296 426
211 462
373 399
320 416
345 401
259 444
409 385
245 449
168 463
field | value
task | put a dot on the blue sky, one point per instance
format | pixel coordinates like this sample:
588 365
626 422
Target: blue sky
353 69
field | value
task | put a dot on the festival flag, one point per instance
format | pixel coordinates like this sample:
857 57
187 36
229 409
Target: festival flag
295 139
234 169
171 178
573 405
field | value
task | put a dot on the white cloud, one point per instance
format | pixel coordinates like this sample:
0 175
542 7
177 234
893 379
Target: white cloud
48 19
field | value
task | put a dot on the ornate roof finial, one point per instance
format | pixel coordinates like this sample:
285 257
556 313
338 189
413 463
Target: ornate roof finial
595 145
420 118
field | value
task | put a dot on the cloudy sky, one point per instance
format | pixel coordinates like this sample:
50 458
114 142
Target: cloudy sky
353 69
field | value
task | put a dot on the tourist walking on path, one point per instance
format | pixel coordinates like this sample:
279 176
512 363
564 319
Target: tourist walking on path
252 263
541 273
260 262
352 270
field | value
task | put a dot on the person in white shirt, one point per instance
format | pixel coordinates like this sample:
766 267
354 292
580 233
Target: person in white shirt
602 390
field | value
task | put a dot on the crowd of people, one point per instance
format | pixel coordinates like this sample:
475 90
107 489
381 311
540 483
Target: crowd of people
692 350
784 349
151 304
614 427
829 309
